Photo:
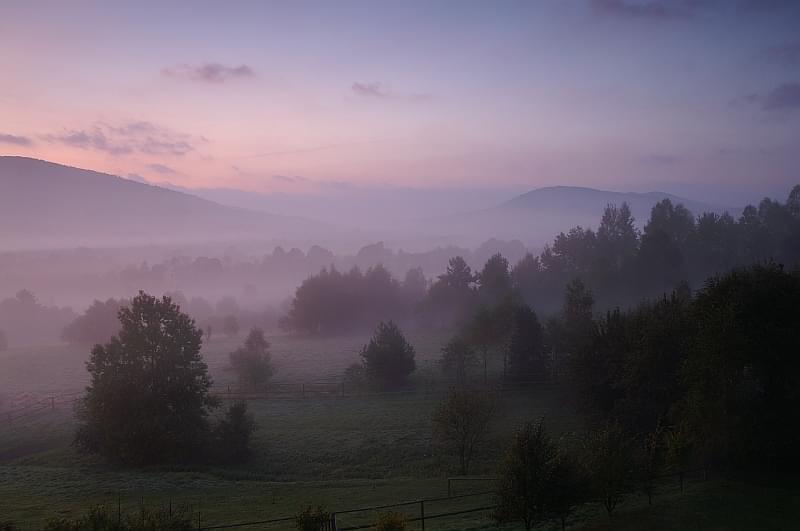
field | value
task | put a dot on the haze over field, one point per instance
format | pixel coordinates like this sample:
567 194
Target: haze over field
289 265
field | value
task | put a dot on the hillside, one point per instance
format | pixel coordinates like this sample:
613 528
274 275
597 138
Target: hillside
43 204
537 216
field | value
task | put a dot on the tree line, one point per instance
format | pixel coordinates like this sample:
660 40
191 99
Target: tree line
617 262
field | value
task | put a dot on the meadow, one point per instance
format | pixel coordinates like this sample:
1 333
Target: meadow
340 451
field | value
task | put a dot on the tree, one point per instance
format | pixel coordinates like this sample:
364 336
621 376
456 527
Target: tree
649 461
524 478
312 519
231 435
526 356
566 488
462 421
391 521
679 451
617 237
96 325
230 326
252 361
607 459
742 373
494 281
458 358
388 358
450 298
148 398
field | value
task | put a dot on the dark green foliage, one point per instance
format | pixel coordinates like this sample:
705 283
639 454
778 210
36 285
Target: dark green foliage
100 518
458 359
527 359
462 422
743 372
451 297
334 302
388 357
390 521
527 488
230 437
148 399
96 325
312 519
608 461
252 361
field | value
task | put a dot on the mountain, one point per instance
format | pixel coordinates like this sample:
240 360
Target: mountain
535 217
43 204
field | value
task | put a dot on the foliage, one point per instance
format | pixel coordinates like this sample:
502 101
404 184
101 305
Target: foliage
742 374
96 325
312 519
524 476
607 458
451 297
252 361
390 521
230 437
148 399
388 357
462 422
458 358
100 518
334 302
526 355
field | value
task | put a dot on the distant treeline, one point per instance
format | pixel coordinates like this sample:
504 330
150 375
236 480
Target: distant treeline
617 262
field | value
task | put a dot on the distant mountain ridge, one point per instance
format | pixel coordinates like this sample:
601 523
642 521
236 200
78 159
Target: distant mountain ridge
537 216
43 204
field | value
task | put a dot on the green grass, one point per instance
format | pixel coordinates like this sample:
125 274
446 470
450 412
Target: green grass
344 452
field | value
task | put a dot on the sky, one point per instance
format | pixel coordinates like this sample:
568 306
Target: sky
695 97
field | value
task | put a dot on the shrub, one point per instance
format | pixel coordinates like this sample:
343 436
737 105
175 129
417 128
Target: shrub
99 518
390 521
231 436
312 519
252 361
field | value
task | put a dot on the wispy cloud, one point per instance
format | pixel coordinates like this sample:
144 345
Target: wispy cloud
786 55
377 90
209 72
126 138
15 139
161 168
649 9
785 97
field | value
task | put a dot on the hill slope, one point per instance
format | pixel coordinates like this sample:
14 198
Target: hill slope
43 204
537 216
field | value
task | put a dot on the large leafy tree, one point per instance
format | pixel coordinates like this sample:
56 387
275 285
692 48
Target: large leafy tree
388 358
743 372
148 399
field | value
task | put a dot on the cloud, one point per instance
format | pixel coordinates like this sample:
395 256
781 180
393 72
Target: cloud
660 160
649 9
16 140
161 168
127 138
209 72
377 90
786 55
785 97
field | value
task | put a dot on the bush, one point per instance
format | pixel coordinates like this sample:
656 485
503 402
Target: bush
312 519
390 521
231 436
252 361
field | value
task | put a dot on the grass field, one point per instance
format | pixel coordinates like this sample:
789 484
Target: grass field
344 452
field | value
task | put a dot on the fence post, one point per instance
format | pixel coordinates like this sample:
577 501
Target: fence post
422 513
333 522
